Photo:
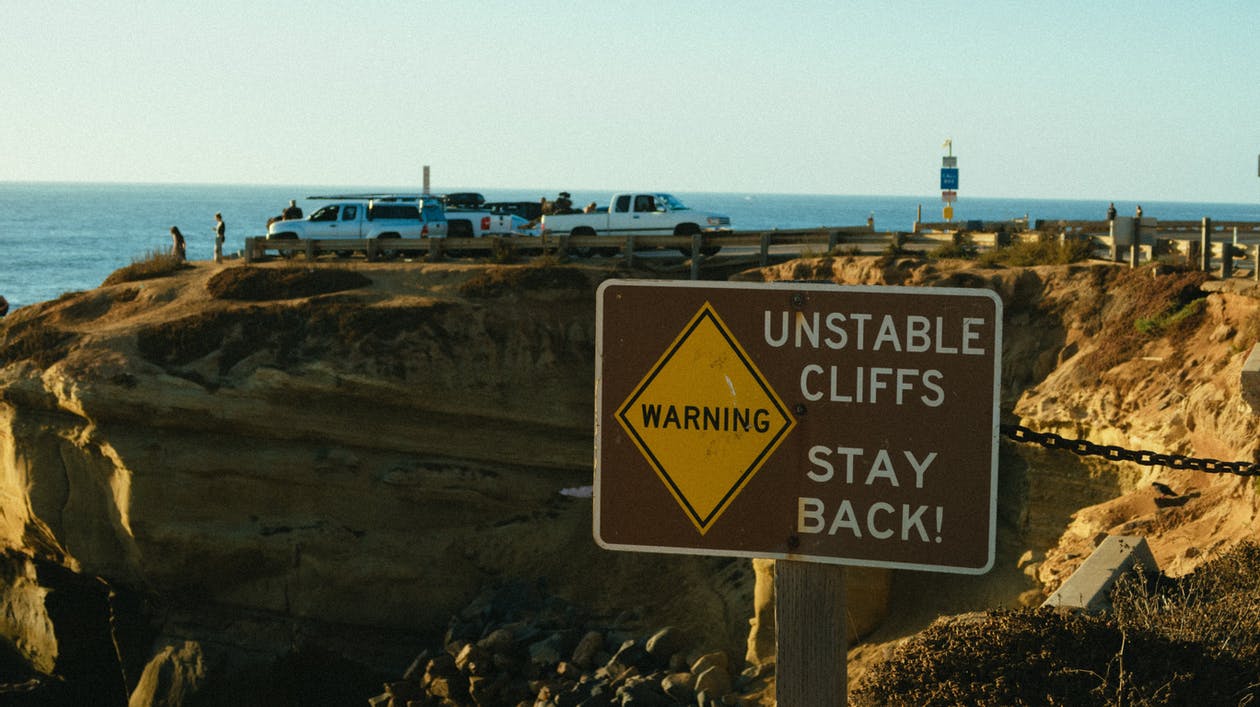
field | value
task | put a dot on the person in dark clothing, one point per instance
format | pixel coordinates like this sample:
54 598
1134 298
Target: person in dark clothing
178 244
220 233
1111 211
292 211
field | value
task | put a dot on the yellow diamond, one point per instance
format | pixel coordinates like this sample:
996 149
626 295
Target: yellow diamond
705 418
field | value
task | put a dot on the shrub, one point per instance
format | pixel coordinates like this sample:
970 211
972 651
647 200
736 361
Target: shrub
542 275
1043 251
151 265
261 284
1140 306
963 246
1189 641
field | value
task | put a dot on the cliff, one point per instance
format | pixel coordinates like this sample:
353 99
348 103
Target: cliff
270 457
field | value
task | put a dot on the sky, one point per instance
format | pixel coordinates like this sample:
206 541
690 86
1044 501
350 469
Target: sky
1073 100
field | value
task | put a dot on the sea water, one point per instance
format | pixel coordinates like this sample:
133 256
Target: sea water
65 237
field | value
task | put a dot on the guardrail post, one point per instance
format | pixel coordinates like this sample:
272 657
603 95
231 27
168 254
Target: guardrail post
249 249
435 249
833 239
372 251
696 255
765 249
310 249
1227 259
1135 248
1115 251
629 251
562 246
1205 245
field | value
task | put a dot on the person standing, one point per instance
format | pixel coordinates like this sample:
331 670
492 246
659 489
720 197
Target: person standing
220 232
178 244
1111 211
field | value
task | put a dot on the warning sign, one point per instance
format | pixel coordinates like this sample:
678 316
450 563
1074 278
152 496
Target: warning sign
704 418
852 425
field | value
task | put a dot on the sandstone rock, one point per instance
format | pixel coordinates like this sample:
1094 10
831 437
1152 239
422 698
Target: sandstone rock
665 643
588 648
499 641
172 678
680 686
714 680
630 656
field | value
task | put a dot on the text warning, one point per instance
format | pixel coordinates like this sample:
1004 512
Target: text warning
850 425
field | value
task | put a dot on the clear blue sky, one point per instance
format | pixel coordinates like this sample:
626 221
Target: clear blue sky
1090 100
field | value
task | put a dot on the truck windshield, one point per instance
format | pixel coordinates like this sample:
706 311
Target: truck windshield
667 202
327 213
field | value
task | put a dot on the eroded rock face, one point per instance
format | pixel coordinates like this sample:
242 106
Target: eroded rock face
274 465
367 458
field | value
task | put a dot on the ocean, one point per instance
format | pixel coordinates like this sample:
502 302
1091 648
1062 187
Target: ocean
66 237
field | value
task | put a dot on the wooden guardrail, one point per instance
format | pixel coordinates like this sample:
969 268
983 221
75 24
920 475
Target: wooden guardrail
1204 242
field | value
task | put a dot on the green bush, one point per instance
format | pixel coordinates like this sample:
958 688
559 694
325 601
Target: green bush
1043 251
963 246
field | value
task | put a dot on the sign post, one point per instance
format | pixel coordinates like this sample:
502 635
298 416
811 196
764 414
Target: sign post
807 422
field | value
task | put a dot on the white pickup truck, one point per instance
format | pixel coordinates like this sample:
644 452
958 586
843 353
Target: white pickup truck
639 214
393 216
354 219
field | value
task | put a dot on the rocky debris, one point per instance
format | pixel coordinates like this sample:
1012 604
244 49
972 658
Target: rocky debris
515 645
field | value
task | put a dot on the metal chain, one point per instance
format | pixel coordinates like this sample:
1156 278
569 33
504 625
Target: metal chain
1082 447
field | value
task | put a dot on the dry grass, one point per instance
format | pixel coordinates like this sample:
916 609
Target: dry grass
1189 641
1047 250
545 274
264 284
1142 305
152 264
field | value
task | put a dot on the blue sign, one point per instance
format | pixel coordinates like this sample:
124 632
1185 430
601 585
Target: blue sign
949 178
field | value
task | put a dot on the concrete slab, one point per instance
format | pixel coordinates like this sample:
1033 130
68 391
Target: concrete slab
1090 584
1250 382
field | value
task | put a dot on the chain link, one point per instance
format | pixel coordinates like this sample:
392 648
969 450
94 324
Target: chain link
1082 447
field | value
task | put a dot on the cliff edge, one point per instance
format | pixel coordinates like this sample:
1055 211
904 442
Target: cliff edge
345 455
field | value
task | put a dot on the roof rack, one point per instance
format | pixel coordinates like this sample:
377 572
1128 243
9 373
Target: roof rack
365 197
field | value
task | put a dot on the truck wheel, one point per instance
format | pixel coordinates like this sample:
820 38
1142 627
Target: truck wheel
390 252
459 228
583 231
285 236
687 229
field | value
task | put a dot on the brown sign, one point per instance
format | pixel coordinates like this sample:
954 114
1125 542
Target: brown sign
850 425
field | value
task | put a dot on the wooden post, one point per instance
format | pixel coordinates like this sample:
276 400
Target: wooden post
1205 245
372 251
1115 251
696 256
812 640
310 249
629 251
1227 259
765 249
435 249
249 249
1135 248
833 239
